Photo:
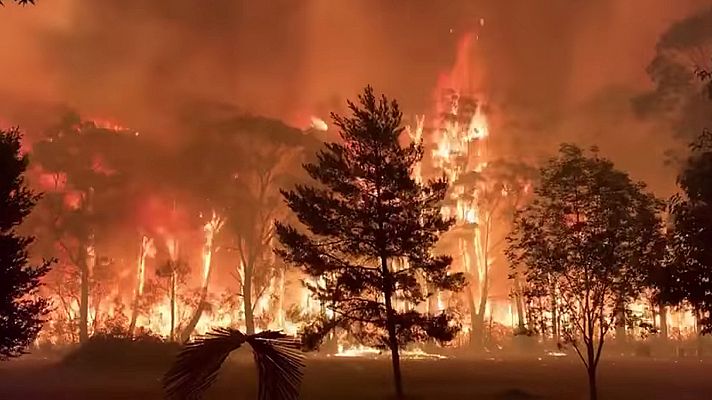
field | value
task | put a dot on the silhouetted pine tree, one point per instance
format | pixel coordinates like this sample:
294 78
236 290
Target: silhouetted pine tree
21 309
371 230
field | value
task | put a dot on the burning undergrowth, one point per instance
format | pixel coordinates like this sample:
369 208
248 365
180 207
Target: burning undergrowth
172 235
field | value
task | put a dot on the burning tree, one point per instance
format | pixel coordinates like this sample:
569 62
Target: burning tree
146 250
174 272
21 310
484 193
237 165
210 229
267 154
589 239
254 231
86 195
372 227
484 201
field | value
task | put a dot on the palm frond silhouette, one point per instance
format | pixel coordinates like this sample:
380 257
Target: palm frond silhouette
277 357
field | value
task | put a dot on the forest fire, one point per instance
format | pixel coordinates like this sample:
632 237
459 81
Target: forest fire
455 192
369 352
169 300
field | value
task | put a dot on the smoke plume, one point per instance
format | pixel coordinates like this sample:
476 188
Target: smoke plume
552 71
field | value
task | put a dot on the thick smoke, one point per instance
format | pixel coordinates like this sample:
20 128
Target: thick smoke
694 31
678 97
554 70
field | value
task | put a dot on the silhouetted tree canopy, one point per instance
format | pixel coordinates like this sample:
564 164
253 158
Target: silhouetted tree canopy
686 276
372 227
681 58
589 240
21 308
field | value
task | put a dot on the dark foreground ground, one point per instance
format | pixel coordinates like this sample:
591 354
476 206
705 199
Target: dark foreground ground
344 379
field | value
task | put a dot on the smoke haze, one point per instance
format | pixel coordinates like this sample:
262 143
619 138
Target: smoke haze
552 70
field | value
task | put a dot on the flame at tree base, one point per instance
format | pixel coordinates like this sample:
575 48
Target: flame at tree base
373 353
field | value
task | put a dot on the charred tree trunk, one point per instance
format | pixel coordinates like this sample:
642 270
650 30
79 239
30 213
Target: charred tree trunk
621 335
247 302
84 295
476 327
202 305
190 327
484 297
391 327
554 317
663 323
519 306
134 316
85 273
591 369
592 388
543 329
172 295
97 311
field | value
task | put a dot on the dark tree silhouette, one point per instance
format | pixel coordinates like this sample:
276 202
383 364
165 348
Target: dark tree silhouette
690 233
590 239
266 160
279 364
372 228
174 272
71 152
21 308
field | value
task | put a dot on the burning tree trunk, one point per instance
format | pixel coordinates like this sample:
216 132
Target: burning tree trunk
461 155
518 299
482 252
281 286
247 301
85 262
81 261
478 214
255 231
84 275
172 295
146 250
174 270
393 343
190 327
555 326
211 228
